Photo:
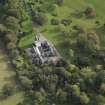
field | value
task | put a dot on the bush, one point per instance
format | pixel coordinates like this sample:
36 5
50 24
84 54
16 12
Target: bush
55 22
26 82
13 12
82 61
7 90
84 99
3 2
3 30
79 28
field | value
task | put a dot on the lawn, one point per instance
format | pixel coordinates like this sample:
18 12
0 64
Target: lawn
27 40
5 77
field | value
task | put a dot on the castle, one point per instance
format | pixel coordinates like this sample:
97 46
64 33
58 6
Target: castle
43 51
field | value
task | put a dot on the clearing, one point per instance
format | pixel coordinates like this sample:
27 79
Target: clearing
65 11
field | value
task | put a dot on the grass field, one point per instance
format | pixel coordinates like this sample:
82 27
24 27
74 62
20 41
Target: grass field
65 11
5 77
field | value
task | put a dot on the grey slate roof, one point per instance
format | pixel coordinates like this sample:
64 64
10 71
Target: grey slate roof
42 51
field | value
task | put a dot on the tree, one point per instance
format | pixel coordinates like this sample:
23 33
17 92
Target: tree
14 53
11 37
71 54
82 42
3 30
12 23
84 99
7 90
26 82
39 97
99 79
93 40
18 61
50 83
11 46
19 103
88 42
90 12
13 12
102 88
82 61
75 90
40 18
59 2
99 100
72 68
61 96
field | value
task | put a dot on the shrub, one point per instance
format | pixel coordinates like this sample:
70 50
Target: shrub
55 22
66 22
